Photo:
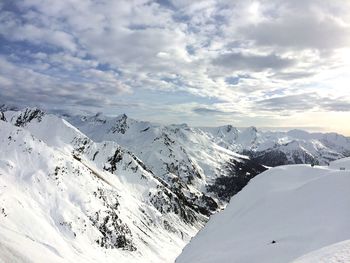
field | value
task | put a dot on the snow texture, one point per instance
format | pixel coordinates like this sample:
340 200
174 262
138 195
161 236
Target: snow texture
280 215
107 189
335 253
66 198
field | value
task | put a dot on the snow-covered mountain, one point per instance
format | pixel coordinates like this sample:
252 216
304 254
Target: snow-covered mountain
203 162
186 158
282 214
69 199
128 190
279 148
97 188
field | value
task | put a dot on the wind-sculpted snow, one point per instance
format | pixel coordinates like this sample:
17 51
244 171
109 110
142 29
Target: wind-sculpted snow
67 198
282 214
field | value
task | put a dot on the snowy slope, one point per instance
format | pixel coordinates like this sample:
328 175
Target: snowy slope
202 163
185 158
335 253
92 189
279 216
67 198
278 148
341 164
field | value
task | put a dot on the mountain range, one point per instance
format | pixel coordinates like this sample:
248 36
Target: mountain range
98 188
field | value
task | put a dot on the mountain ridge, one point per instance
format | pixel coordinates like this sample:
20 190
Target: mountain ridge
148 183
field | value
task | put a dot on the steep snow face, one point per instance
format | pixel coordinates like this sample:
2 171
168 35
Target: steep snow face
335 253
279 148
192 164
279 216
69 199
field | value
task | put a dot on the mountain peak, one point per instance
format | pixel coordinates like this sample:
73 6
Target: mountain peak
121 124
5 107
28 115
122 116
253 129
297 133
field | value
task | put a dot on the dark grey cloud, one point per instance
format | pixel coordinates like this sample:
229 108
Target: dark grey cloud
302 102
301 25
294 75
212 111
239 61
336 104
297 102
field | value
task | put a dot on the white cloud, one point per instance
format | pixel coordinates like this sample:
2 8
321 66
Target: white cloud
273 48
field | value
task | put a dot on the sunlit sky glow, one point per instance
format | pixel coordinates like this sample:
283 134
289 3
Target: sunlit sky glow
264 63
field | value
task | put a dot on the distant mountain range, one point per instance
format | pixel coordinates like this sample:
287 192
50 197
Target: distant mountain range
92 188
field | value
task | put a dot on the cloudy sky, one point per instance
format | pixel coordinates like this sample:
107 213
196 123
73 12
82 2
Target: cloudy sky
262 63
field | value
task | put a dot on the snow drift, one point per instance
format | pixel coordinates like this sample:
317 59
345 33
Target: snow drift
279 216
335 253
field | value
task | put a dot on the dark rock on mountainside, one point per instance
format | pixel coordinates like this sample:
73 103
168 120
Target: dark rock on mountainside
114 233
239 174
28 115
121 125
270 158
2 116
276 157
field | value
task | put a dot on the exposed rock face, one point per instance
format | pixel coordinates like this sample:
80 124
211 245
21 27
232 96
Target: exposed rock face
2 116
125 184
240 173
28 115
91 197
120 125
114 233
186 160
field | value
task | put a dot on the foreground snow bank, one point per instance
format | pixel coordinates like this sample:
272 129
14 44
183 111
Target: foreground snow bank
341 164
339 252
279 216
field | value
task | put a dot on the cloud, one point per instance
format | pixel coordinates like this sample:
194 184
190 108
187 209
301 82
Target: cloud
291 102
16 30
339 104
294 75
313 25
303 102
28 87
299 33
210 111
251 56
239 61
